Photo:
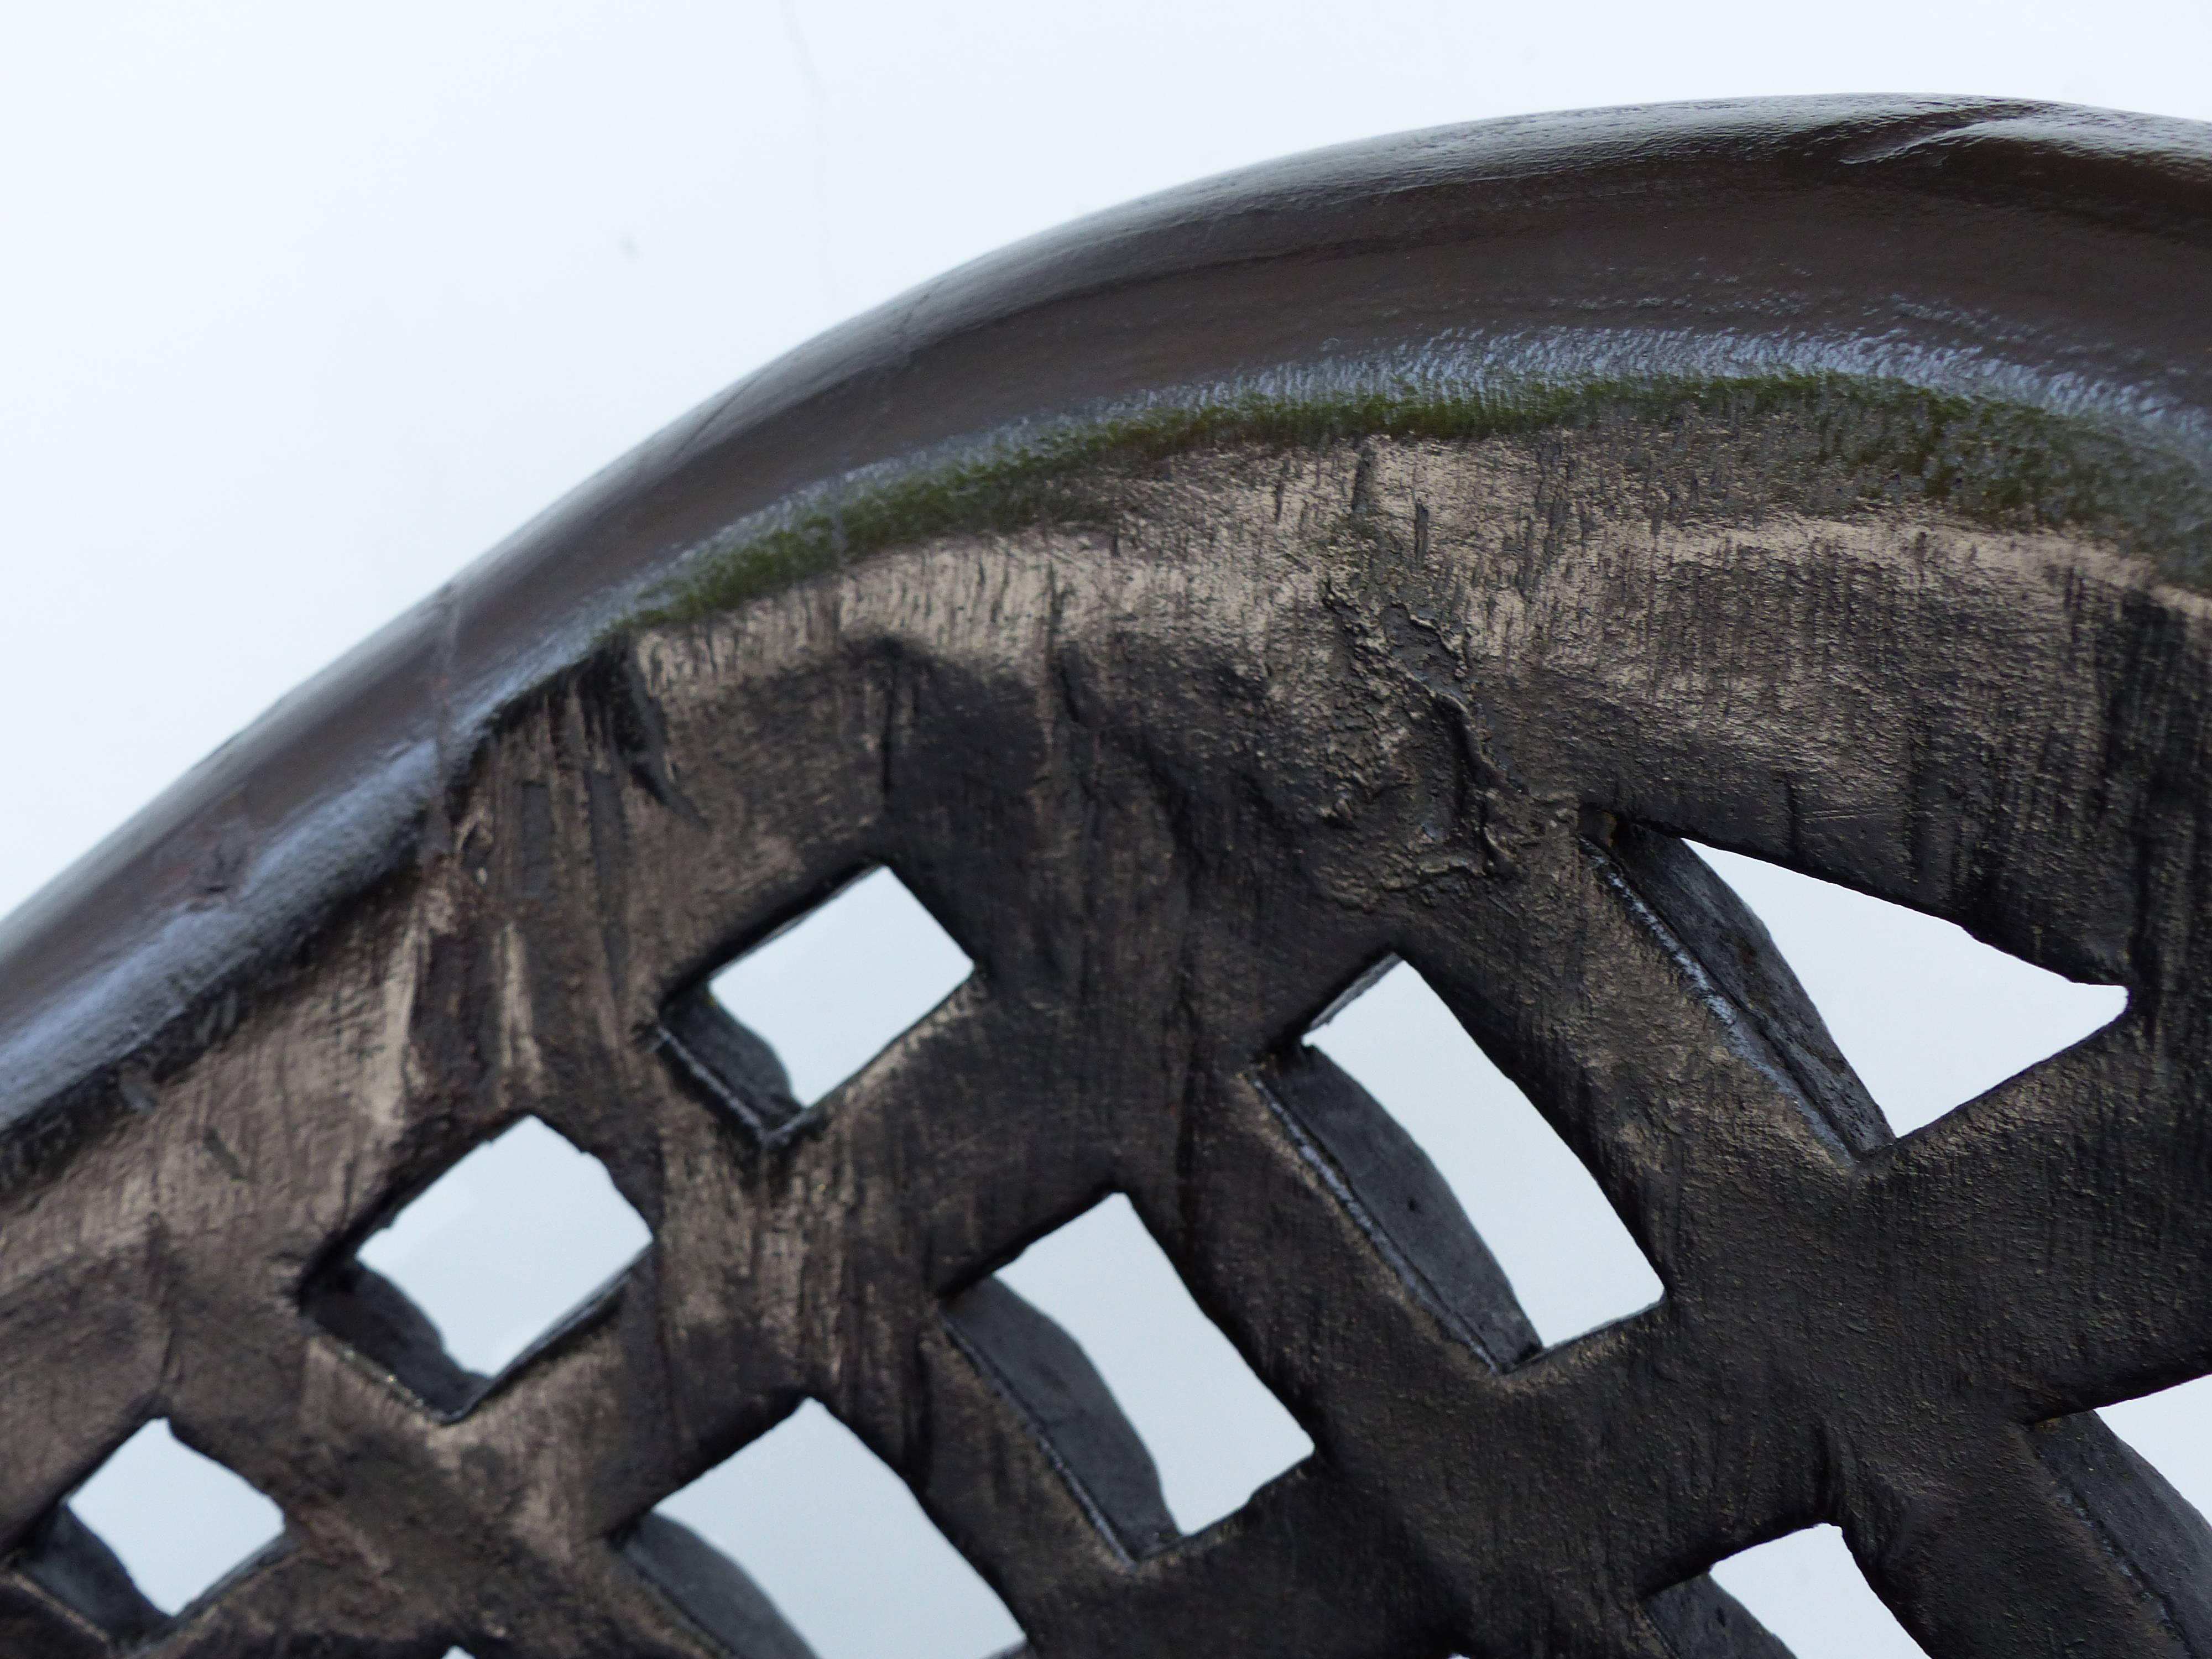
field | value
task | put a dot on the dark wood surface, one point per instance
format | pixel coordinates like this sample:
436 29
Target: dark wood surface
1388 553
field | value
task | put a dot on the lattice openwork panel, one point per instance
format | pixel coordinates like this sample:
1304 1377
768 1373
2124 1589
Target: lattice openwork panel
1181 732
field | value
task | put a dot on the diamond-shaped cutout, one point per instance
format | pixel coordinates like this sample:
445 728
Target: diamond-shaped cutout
1928 1015
1803 1588
2168 1430
805 1544
798 1013
1151 1411
156 1527
485 1263
1462 1144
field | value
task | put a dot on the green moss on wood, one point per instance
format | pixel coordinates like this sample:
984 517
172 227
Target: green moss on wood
1826 445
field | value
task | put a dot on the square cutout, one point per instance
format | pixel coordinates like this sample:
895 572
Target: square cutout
154 1528
1570 1262
1157 1417
1926 1014
1807 1589
485 1263
2172 1431
804 1540
783 1024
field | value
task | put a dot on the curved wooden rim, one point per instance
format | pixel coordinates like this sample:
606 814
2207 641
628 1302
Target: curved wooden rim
2055 255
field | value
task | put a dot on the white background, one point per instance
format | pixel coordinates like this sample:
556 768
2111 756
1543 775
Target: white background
303 304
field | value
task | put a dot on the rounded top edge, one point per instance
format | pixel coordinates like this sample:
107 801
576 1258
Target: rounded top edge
2152 172
1912 231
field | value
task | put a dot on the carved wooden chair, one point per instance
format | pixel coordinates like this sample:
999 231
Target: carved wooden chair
1386 553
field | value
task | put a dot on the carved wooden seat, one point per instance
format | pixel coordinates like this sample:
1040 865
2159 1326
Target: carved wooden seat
1385 553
